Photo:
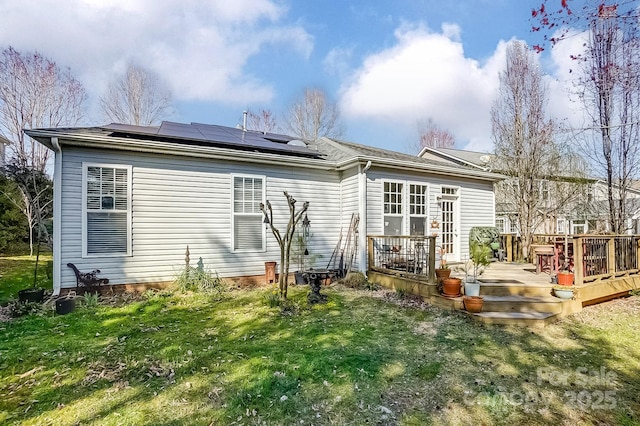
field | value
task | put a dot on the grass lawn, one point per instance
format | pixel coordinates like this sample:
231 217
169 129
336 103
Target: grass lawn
362 358
16 273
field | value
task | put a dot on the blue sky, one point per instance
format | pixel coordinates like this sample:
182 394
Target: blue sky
387 64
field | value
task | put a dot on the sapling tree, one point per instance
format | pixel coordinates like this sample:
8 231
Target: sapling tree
286 238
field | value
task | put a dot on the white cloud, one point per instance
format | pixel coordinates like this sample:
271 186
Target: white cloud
426 75
200 47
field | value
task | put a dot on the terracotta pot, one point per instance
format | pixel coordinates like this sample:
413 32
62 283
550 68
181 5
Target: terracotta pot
473 304
451 287
565 278
442 273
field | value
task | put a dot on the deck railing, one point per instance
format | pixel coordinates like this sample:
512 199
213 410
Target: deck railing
415 255
594 257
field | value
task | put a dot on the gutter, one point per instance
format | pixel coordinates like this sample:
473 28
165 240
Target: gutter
57 216
155 147
362 226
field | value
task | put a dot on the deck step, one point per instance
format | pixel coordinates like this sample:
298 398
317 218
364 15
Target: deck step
531 319
514 288
514 303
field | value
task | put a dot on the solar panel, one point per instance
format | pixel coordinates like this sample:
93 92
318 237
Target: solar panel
214 135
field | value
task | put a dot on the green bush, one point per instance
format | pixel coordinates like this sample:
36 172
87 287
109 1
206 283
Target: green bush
200 280
357 280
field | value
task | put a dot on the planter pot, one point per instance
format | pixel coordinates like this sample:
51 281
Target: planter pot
451 287
472 289
31 295
473 304
65 306
442 273
563 293
299 276
565 278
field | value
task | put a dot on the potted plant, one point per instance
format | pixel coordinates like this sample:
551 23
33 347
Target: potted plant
563 291
565 277
479 259
443 270
451 286
473 304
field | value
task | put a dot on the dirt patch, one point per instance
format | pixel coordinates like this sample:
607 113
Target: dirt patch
5 313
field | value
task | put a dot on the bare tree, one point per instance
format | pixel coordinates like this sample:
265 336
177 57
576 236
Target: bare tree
285 239
433 136
609 88
313 116
137 97
263 121
35 92
523 136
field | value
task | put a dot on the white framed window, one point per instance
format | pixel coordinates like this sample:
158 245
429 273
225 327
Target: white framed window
392 205
500 224
418 209
106 210
561 226
247 230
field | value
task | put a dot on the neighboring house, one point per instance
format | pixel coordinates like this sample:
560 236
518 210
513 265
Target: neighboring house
129 199
586 212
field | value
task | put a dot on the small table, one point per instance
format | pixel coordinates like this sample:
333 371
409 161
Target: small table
545 258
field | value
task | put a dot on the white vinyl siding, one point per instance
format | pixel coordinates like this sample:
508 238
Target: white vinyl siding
248 230
106 210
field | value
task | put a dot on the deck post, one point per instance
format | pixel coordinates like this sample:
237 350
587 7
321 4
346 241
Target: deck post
509 247
611 256
637 253
578 261
432 259
370 257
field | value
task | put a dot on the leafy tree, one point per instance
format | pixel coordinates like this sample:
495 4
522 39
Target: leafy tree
13 224
35 92
313 115
138 97
31 191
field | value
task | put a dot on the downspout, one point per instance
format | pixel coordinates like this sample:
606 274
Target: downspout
362 228
57 216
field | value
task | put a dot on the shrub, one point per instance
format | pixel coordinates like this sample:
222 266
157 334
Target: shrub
90 300
200 280
357 280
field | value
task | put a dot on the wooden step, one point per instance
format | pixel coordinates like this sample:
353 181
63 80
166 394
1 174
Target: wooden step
514 303
528 319
513 288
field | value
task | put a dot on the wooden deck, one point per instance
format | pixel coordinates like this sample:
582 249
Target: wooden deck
515 294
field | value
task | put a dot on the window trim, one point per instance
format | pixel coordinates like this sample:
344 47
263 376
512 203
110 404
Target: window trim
85 210
233 213
427 206
406 214
403 202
